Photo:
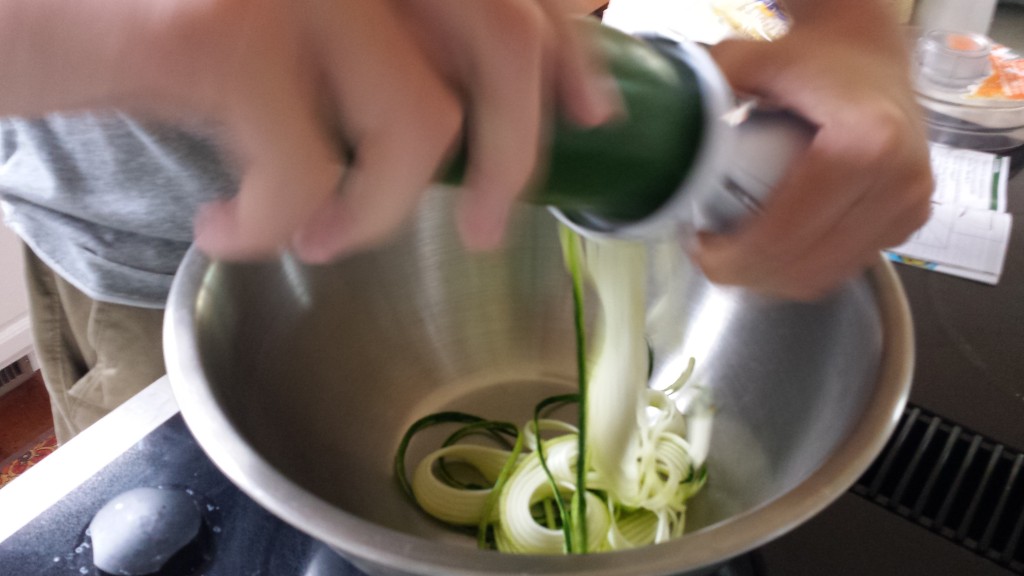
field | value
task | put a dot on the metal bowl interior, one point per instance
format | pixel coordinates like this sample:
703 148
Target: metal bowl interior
299 381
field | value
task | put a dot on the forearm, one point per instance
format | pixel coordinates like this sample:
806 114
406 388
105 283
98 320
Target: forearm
71 54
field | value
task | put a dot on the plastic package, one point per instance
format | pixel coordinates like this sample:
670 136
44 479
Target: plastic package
754 19
972 90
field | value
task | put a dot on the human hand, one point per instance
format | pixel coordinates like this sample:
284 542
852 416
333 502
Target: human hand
506 59
865 182
513 62
336 113
277 76
245 69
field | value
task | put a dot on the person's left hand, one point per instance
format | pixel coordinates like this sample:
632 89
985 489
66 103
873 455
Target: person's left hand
865 182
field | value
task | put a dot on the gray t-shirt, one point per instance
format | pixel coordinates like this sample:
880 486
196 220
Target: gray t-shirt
107 201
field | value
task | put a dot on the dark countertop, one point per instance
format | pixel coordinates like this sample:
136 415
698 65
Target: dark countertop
970 336
970 339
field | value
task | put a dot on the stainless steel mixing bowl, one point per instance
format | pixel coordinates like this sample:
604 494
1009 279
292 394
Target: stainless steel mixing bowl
299 381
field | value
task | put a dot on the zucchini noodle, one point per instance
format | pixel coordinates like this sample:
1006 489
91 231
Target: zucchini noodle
643 457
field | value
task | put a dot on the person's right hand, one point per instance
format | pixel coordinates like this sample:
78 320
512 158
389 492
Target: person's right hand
510 62
337 114
276 77
513 62
394 80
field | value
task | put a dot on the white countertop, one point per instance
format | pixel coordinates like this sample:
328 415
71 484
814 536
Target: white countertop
52 478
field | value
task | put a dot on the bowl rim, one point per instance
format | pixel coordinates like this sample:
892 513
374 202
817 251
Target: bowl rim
363 541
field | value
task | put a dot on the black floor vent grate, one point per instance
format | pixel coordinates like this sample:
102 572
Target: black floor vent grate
954 482
11 373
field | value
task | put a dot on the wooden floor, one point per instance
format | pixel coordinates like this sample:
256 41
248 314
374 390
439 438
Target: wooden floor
25 424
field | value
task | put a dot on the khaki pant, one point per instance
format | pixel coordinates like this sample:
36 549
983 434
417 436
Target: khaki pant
93 355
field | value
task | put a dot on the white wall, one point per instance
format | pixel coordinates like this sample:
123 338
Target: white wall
15 331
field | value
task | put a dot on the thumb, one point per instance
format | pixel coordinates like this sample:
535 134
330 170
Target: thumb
750 66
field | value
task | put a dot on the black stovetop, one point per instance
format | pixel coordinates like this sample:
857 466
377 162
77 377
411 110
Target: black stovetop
855 536
243 539
238 536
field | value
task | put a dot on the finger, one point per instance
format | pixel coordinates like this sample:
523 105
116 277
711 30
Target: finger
783 74
815 282
750 67
260 220
805 206
380 191
397 116
587 92
855 245
870 143
270 121
504 139
281 184
893 204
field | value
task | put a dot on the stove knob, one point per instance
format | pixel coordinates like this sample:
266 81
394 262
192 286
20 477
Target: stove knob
139 531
